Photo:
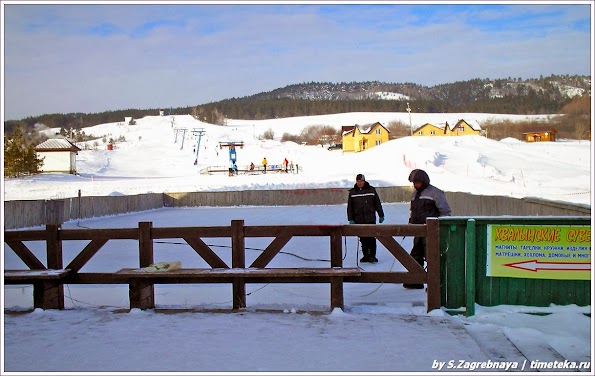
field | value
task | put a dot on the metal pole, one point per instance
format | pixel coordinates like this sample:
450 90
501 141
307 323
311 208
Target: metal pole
410 125
470 268
198 132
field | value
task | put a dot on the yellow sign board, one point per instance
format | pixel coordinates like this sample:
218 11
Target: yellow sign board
539 251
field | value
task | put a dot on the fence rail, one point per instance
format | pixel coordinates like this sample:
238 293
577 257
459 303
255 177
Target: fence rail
49 279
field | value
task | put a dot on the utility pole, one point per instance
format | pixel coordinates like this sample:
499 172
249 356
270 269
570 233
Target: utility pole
410 125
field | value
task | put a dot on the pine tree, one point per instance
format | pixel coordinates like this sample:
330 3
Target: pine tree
19 158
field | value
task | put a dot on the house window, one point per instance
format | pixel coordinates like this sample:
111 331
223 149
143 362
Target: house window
433 132
378 142
378 131
420 133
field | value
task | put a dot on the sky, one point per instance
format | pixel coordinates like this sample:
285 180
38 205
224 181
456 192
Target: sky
65 58
286 328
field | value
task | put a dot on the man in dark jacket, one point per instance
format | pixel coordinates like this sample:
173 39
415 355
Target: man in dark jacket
362 204
426 201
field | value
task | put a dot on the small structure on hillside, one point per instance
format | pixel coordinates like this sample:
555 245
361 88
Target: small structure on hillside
462 127
59 155
362 137
429 130
541 135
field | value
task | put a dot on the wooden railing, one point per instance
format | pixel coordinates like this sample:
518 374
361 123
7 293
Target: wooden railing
49 280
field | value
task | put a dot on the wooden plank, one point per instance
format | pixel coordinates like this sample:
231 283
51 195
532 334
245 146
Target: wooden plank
89 251
191 232
337 300
48 295
277 231
142 294
399 252
238 260
336 247
388 277
95 279
24 235
99 233
384 230
54 247
25 254
271 251
242 272
14 277
205 252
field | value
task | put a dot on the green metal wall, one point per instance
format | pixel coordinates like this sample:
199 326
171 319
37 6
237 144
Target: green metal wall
492 291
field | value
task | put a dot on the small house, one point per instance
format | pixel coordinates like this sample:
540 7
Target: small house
462 128
429 130
362 137
58 155
541 135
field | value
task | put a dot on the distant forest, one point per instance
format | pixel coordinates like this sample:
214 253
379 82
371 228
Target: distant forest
547 95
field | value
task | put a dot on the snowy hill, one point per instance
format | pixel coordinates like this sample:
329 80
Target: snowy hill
157 156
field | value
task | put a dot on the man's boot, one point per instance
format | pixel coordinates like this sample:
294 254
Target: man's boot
372 257
366 257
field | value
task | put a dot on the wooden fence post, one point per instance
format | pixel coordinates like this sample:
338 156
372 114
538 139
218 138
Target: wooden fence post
433 261
49 295
238 260
336 261
141 292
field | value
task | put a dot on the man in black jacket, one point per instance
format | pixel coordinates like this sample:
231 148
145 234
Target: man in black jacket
426 201
362 204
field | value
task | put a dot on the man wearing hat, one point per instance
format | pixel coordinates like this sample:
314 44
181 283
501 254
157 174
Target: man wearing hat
426 201
362 205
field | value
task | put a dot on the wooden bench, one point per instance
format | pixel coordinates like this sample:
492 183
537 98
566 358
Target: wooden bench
48 285
27 277
141 283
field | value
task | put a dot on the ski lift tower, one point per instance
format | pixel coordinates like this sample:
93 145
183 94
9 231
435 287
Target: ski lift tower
232 148
199 132
183 130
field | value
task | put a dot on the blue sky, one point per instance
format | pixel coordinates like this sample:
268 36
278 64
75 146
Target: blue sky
62 58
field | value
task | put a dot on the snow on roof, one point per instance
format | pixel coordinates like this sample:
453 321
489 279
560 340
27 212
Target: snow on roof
366 128
57 144
472 123
441 126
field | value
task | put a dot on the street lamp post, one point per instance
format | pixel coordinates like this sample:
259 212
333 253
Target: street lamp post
410 126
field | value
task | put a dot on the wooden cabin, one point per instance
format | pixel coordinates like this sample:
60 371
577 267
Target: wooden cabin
59 155
541 135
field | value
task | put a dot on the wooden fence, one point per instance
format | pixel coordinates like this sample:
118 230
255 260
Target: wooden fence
49 280
25 213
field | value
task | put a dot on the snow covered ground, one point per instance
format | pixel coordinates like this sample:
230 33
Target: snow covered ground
287 328
154 159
